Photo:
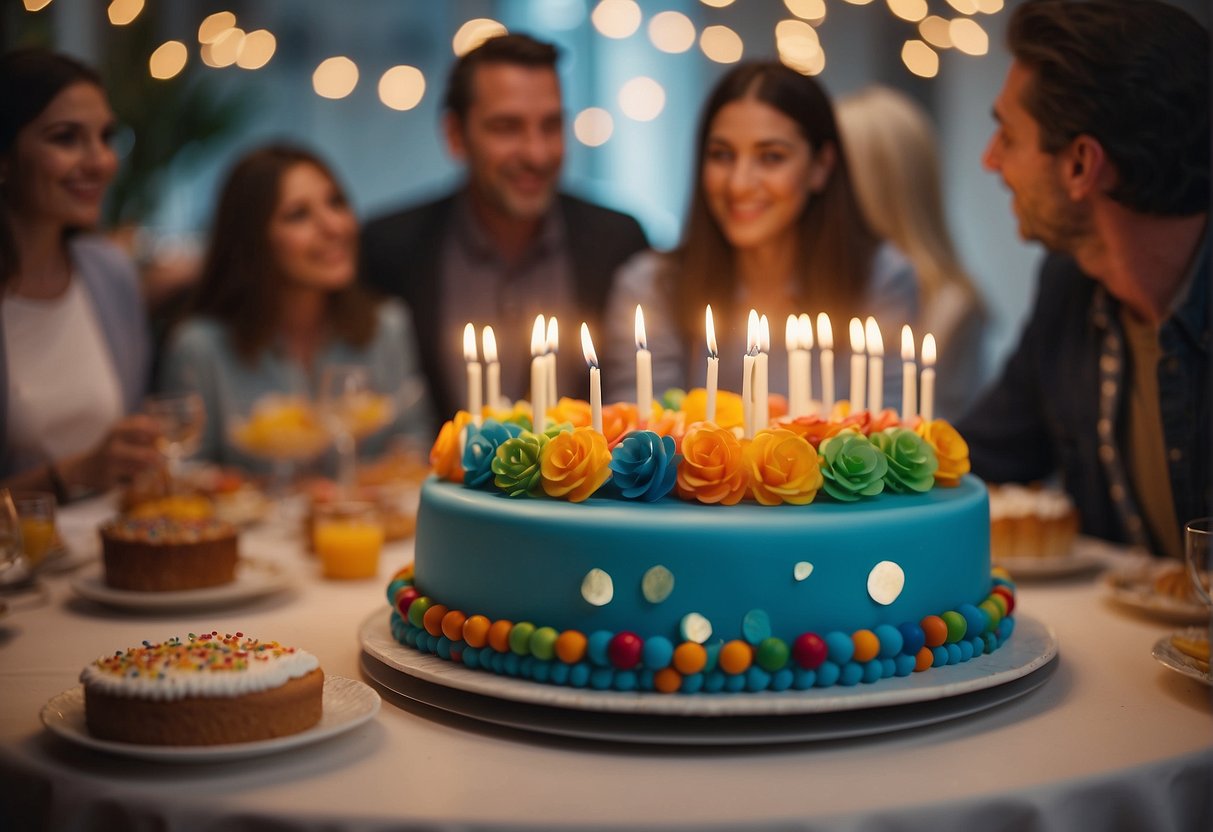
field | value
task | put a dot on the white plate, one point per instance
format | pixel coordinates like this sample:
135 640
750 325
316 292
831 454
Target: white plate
347 704
254 578
1133 587
1086 554
1031 647
1168 655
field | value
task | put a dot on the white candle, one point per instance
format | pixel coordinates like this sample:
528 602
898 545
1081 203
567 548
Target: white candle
858 365
474 401
713 367
644 372
492 375
909 375
804 332
875 365
825 337
553 339
539 376
762 402
798 360
591 359
747 375
928 378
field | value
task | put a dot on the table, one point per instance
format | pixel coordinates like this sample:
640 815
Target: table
1113 739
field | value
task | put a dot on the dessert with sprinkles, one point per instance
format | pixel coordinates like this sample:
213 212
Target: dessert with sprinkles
164 553
207 689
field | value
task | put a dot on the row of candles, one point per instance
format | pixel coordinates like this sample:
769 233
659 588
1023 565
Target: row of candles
867 369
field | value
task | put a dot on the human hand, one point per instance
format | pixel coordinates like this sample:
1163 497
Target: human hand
126 450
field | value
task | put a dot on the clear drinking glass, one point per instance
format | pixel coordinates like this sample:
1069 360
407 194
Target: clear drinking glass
180 417
1198 554
352 409
12 552
36 517
348 537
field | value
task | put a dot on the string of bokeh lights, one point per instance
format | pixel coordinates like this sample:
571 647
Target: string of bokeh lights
222 43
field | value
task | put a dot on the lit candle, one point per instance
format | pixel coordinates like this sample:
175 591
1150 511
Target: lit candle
762 404
928 378
644 372
747 375
713 366
539 376
474 401
825 337
591 359
909 375
858 366
553 339
804 333
875 365
798 360
492 375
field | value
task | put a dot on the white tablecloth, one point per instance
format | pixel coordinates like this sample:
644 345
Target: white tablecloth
1111 740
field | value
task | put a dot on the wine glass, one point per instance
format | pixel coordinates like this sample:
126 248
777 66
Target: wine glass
180 418
282 429
1198 553
352 410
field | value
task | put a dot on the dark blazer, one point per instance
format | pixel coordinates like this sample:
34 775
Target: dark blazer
401 255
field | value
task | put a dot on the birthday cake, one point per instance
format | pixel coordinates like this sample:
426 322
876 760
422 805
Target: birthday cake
207 690
165 553
819 553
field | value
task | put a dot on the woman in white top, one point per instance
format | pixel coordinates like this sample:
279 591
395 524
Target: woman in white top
73 348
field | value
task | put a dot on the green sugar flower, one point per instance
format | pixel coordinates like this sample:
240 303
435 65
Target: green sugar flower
515 467
851 466
912 462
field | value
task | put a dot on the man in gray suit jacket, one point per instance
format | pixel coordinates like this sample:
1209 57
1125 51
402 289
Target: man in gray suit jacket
507 245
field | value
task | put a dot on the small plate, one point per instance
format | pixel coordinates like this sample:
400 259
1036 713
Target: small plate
1086 554
1170 656
254 578
1133 586
348 703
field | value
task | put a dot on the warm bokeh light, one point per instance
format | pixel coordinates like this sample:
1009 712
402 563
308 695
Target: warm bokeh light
168 60
911 10
36 5
968 36
593 126
257 49
799 47
672 32
616 18
717 4
859 2
642 99
964 6
122 12
335 77
402 87
936 31
475 32
811 10
920 59
989 6
721 44
223 50
215 25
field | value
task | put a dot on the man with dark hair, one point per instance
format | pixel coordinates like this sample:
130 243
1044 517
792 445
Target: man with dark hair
507 245
1103 140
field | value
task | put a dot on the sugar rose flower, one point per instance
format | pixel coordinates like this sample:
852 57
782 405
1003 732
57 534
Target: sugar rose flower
645 465
519 414
574 464
671 423
618 420
713 466
951 451
912 463
782 468
728 407
444 455
574 411
851 466
814 429
480 449
883 420
515 465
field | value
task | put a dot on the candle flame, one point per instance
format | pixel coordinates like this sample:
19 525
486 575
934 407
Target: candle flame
791 334
469 343
751 333
489 341
553 335
711 328
856 336
587 346
538 339
928 350
825 333
804 329
642 342
907 343
764 334
874 338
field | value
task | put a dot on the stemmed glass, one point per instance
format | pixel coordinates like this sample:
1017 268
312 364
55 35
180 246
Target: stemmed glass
1198 553
351 410
180 417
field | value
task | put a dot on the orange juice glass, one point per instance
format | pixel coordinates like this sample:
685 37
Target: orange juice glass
348 537
36 514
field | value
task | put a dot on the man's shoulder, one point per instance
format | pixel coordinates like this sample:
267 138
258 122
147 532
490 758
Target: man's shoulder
582 212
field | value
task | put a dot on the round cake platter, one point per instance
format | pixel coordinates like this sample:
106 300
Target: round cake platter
1023 664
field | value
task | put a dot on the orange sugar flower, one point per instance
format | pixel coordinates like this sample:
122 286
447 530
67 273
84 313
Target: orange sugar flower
814 429
782 468
950 449
883 420
574 464
446 457
574 411
728 407
672 423
618 420
713 466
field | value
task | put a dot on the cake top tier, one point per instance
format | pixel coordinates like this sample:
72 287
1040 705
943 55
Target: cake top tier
167 530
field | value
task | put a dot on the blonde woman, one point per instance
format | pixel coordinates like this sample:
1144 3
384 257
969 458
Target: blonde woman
891 144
